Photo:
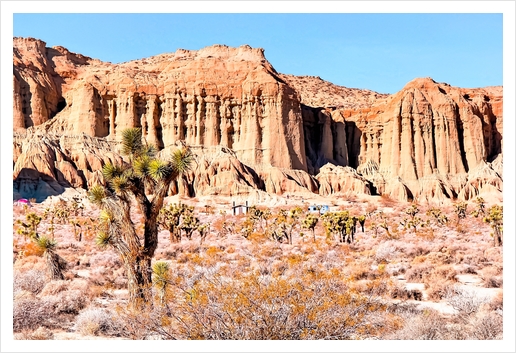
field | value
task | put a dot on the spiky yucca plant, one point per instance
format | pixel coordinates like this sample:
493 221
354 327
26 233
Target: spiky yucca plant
160 278
134 179
495 219
55 264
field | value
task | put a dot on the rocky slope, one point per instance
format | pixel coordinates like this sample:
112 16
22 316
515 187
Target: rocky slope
251 127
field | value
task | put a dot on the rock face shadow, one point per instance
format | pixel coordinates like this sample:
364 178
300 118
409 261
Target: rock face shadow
32 184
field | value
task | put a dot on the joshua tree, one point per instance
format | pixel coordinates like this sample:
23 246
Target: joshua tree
481 207
143 172
190 224
203 230
495 219
460 210
55 264
285 223
260 216
361 220
414 221
439 218
342 224
29 229
170 218
309 223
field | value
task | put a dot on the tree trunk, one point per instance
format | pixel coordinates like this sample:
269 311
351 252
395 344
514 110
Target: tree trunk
53 265
497 237
139 281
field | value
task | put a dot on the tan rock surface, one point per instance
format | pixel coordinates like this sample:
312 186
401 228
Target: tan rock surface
48 163
214 96
428 141
335 179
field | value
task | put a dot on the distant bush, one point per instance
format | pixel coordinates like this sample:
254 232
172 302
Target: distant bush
40 334
429 325
68 302
32 281
96 321
30 313
54 287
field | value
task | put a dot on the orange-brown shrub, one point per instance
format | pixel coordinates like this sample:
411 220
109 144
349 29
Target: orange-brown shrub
30 249
313 305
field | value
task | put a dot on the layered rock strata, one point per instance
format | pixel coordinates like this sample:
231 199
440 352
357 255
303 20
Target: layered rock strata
429 137
215 96
251 127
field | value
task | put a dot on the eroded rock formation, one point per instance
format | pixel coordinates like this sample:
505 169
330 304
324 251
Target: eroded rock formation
215 96
420 142
251 127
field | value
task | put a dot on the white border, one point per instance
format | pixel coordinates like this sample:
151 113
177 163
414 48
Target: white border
10 7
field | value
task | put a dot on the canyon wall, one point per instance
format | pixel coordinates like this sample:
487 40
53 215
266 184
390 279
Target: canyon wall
252 128
215 96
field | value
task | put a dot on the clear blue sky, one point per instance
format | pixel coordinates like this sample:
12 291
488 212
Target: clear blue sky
381 52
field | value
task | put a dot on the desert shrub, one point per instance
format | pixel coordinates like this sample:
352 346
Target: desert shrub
493 282
417 273
79 284
96 321
492 278
428 325
30 312
68 302
438 289
314 305
496 303
106 259
446 272
32 281
30 249
487 326
385 251
54 287
399 291
465 302
467 269
40 334
411 250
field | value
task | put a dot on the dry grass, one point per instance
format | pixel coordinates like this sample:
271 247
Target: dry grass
306 284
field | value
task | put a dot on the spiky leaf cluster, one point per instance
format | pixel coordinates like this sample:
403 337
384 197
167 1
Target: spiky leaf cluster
134 180
495 219
340 224
460 210
437 215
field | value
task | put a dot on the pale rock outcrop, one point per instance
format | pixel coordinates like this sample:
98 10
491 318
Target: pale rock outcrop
222 174
46 162
428 132
482 179
214 96
335 179
397 190
281 181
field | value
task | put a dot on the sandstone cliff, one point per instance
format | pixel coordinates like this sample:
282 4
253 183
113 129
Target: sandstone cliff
423 141
251 127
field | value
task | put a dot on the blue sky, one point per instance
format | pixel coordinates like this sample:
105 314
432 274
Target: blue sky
381 52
